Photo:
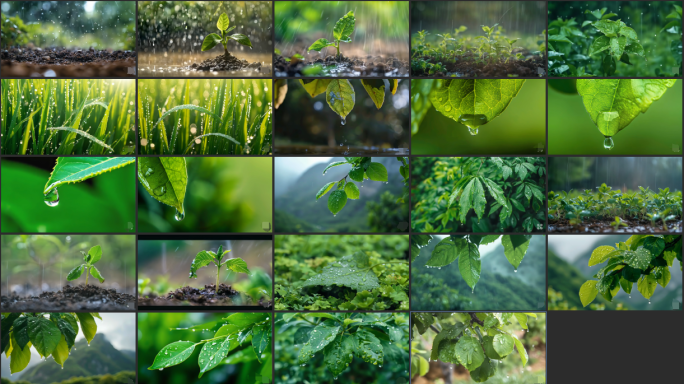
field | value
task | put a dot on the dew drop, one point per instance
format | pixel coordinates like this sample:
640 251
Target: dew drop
159 191
608 143
52 198
179 217
344 120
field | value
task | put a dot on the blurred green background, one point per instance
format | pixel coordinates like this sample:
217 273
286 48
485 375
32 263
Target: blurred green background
32 264
166 264
303 120
224 194
572 132
72 24
382 27
154 334
105 203
520 129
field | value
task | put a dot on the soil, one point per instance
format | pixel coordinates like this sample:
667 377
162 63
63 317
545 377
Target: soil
225 63
343 66
70 298
469 66
599 226
201 297
61 62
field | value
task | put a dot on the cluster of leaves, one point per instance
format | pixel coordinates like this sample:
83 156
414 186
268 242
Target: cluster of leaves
50 334
606 204
93 256
362 168
478 343
223 25
230 333
597 46
465 249
235 119
360 281
377 338
642 259
64 117
204 258
15 32
339 93
429 54
479 194
342 31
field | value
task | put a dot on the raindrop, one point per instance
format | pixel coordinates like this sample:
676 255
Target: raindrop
52 198
608 143
179 217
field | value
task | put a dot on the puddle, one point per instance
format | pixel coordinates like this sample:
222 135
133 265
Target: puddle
177 64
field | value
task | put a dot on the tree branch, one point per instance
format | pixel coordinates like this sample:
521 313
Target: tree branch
475 319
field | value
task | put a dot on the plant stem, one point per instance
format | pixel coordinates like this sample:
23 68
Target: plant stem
338 48
87 270
218 272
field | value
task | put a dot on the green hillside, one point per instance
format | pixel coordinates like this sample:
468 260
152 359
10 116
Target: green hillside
125 377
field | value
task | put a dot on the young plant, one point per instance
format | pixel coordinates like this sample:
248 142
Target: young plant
231 335
616 43
618 223
205 258
341 33
223 24
50 334
93 256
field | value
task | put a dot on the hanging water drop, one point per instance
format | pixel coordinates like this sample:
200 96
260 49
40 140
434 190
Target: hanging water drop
179 215
52 198
608 143
344 120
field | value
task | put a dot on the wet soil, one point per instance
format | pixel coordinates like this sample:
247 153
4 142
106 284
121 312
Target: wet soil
470 66
341 65
226 296
338 150
225 63
61 62
598 226
70 298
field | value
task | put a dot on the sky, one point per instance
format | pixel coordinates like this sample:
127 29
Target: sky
569 248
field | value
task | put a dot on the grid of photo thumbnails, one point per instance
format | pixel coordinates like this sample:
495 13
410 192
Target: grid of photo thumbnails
330 191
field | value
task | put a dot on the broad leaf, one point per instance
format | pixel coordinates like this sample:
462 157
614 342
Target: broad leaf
76 272
322 335
237 265
503 344
241 38
335 164
339 354
223 22
469 264
261 339
469 352
165 179
521 350
20 332
317 86
647 286
173 354
66 329
341 97
449 332
515 247
370 348
377 172
486 370
349 271
352 191
94 254
344 27
446 252
317 46
376 90
336 201
88 326
96 274
19 358
588 292
245 319
61 352
639 259
213 353
325 189
479 201
76 169
600 254
202 259
44 335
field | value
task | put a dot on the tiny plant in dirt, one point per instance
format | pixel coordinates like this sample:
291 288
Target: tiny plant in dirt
90 258
234 336
205 258
341 34
223 25
642 259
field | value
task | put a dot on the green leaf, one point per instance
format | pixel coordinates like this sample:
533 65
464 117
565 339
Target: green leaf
344 27
76 169
242 39
165 179
665 277
336 201
261 339
486 370
316 86
88 326
66 329
7 321
173 354
94 254
469 264
446 252
466 200
376 90
488 342
522 319
61 352
503 343
474 102
515 248
521 350
325 189
76 272
377 172
317 46
600 254
489 239
19 358
84 134
647 286
356 173
245 319
614 103
213 353
626 285
44 335
339 354
335 164
421 366
370 348
469 352
96 274
349 271
210 41
449 332
639 259
352 191
588 292
655 245
496 191
223 22
237 265
479 201
322 335
340 96
20 332
202 259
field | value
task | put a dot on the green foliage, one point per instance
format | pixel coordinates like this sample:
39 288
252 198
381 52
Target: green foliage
642 259
67 117
165 179
232 117
223 24
230 334
204 258
122 377
608 204
373 274
50 334
478 194
342 31
340 342
91 257
15 32
362 168
69 170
